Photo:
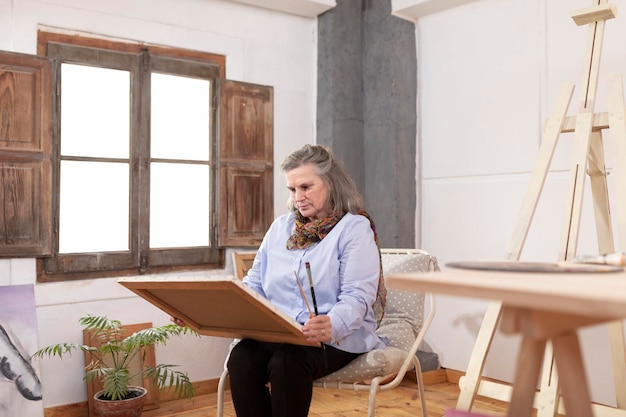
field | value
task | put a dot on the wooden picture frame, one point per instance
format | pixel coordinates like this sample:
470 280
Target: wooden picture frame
219 306
95 386
242 262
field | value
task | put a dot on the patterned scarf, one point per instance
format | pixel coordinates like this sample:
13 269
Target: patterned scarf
307 234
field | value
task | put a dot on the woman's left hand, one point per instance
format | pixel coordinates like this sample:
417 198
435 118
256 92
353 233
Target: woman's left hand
318 329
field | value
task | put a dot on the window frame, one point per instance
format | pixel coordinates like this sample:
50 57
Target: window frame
139 59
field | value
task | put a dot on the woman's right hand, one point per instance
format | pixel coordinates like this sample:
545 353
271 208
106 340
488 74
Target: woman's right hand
318 329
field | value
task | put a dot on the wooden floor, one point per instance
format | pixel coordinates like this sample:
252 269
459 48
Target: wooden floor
402 401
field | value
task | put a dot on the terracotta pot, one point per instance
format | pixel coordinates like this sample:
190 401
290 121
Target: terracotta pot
131 407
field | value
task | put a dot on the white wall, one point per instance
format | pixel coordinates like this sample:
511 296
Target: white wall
260 46
489 74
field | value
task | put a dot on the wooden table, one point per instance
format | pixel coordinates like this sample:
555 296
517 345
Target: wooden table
541 307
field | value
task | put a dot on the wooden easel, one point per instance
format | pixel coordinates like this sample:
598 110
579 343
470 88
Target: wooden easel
588 158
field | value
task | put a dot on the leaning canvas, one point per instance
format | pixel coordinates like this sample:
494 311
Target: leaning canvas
219 306
20 387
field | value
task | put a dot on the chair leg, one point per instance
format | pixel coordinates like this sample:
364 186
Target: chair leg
220 393
371 406
420 385
221 385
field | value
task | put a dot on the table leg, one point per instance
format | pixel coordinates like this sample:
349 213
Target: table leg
526 376
573 380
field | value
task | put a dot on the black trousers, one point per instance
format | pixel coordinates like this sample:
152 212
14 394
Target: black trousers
290 371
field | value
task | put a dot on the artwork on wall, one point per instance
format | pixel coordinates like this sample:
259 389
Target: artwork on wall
20 388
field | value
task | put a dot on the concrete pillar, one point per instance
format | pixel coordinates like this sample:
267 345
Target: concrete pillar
367 110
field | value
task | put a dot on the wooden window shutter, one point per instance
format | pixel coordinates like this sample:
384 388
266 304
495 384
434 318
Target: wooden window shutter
246 163
25 152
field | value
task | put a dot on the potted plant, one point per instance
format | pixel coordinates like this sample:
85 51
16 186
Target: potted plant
111 359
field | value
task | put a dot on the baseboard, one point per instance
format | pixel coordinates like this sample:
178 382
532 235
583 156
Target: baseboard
436 376
68 410
82 409
454 376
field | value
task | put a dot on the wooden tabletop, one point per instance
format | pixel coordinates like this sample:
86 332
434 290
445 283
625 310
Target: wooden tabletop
601 295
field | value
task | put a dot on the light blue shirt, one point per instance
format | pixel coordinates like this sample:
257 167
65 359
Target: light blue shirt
345 266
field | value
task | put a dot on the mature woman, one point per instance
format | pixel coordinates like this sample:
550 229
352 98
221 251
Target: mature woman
327 229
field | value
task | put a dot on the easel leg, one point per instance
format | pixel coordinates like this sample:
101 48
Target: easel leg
469 383
617 124
549 141
576 186
599 189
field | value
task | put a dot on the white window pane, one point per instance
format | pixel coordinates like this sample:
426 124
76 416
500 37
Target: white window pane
94 207
179 205
180 117
95 109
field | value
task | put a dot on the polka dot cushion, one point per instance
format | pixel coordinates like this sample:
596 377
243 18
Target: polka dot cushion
403 320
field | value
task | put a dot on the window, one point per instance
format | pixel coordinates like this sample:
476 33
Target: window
157 162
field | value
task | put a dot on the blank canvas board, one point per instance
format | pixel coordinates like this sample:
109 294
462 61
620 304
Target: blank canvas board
20 387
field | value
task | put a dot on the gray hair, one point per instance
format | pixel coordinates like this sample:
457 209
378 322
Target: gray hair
343 194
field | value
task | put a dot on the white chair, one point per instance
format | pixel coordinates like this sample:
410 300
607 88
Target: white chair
404 324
